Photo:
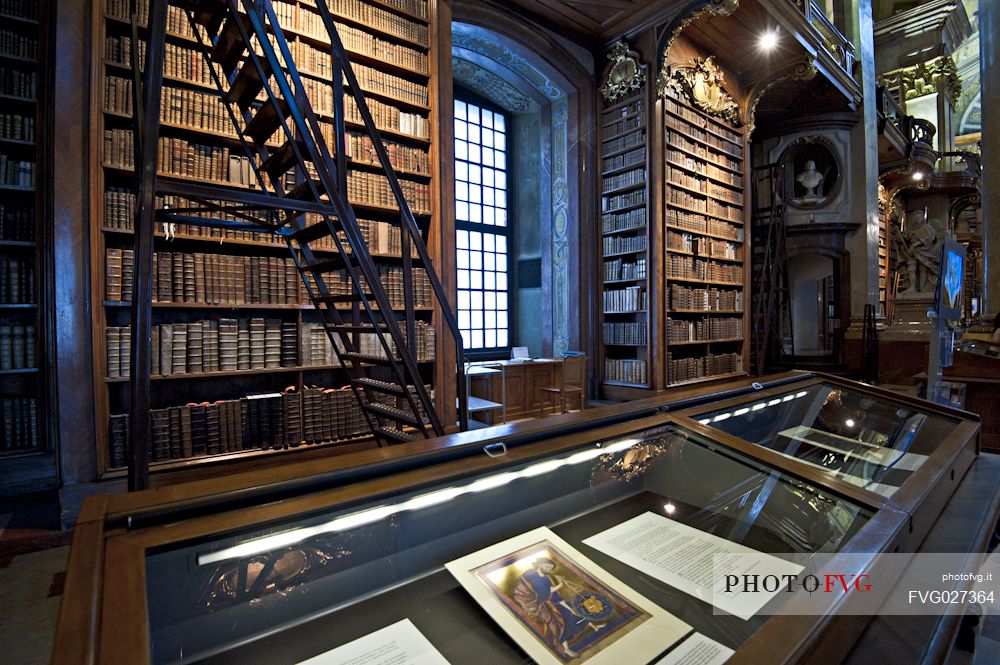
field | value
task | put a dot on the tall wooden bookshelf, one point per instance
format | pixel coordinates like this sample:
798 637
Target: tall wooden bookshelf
25 64
235 297
625 325
704 245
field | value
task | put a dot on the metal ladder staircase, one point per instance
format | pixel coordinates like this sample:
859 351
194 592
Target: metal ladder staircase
771 294
302 199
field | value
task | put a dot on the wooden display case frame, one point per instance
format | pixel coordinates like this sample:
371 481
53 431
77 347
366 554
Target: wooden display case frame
103 618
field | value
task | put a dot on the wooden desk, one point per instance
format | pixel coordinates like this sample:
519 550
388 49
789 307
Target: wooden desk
518 387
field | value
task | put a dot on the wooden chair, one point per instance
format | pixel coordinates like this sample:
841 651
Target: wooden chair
571 386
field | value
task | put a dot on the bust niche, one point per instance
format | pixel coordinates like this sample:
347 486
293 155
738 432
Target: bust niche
811 173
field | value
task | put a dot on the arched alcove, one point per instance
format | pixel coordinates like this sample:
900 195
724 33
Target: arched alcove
548 92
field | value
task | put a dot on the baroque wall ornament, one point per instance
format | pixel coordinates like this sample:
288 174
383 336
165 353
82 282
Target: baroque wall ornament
491 86
923 79
624 75
800 71
703 83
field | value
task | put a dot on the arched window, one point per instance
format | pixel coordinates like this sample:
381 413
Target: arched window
483 226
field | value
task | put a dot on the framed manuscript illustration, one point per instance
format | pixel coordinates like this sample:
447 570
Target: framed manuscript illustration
562 608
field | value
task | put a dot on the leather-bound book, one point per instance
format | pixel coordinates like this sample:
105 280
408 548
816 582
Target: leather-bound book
199 430
180 348
160 426
195 348
186 442
213 444
113 275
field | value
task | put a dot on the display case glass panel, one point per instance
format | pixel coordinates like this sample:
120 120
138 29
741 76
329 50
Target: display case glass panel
871 441
288 591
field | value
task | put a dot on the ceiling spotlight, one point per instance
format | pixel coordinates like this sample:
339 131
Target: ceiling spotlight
849 422
918 176
669 508
768 40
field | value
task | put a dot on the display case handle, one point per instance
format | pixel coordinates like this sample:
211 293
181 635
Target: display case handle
496 449
757 386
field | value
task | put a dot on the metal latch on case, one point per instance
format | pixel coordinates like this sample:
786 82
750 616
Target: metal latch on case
496 449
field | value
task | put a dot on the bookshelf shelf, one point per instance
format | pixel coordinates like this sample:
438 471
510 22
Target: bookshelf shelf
25 265
624 190
394 71
708 148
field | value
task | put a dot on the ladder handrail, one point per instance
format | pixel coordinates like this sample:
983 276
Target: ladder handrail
340 56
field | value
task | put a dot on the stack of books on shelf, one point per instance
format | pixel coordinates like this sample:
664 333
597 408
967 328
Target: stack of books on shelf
689 369
373 189
628 333
360 149
17 346
265 421
18 83
17 126
630 299
15 172
704 330
14 44
27 9
388 117
713 299
17 221
19 423
17 281
618 269
621 244
381 20
625 370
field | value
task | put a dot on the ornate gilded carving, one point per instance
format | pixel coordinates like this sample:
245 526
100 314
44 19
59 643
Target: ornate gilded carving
801 71
701 82
924 79
624 75
710 8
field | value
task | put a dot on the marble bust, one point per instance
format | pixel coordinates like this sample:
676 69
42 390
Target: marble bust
810 179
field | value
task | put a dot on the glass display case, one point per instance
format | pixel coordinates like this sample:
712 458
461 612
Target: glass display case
300 571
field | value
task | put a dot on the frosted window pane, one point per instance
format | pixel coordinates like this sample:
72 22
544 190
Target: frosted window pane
463 259
477 300
474 134
462 191
499 141
477 339
460 110
475 240
502 319
488 196
464 319
502 337
462 239
461 130
464 299
476 280
489 261
490 280
501 199
462 211
487 138
476 213
463 279
489 177
488 156
475 173
501 160
473 114
476 261
475 154
498 122
477 319
487 118
491 338
502 244
462 170
501 217
461 150
475 194
490 300
489 241
501 180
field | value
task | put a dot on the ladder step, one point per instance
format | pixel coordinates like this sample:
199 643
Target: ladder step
397 435
282 159
302 191
229 46
247 83
206 12
365 358
334 299
391 412
358 327
312 232
327 265
380 386
267 120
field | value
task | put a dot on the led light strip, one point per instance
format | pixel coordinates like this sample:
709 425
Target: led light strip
419 502
719 417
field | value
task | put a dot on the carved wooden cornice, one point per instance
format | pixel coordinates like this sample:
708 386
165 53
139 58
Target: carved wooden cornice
799 71
710 8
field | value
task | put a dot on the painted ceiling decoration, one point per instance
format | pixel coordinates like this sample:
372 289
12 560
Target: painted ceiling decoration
490 86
